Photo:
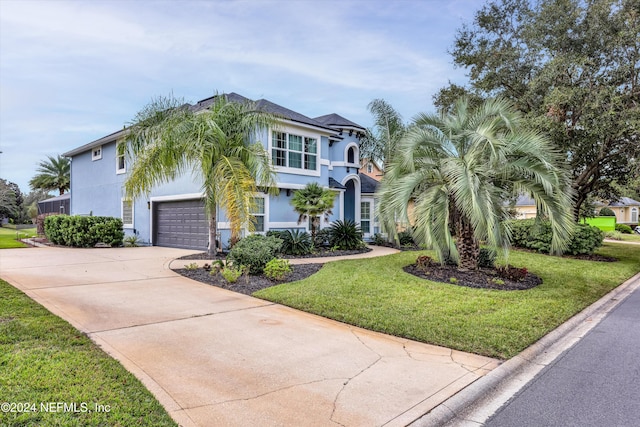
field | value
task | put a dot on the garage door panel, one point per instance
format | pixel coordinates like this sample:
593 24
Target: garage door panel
181 224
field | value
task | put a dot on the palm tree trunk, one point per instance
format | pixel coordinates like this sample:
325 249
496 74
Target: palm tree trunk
213 231
467 245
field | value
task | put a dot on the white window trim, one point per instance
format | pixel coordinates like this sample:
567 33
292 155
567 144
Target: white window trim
122 202
120 171
95 156
265 215
356 155
634 211
302 133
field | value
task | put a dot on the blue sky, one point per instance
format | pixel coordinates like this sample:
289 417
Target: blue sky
74 71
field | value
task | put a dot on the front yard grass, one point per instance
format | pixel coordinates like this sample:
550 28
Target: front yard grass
44 360
377 294
8 237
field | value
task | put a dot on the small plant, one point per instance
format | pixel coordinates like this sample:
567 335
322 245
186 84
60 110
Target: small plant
497 281
512 273
486 258
613 235
277 269
192 266
378 240
423 262
624 229
206 267
231 274
132 241
453 280
321 240
255 252
295 242
405 238
345 235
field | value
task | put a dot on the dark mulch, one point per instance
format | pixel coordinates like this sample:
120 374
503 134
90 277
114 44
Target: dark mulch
473 278
248 284
319 253
593 257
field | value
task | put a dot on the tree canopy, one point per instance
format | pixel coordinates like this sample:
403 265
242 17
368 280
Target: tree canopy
459 168
572 67
52 174
380 142
312 202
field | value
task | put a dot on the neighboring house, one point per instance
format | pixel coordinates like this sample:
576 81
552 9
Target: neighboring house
525 207
324 149
627 210
59 204
371 168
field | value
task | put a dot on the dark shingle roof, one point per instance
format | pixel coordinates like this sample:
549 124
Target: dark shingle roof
625 201
335 184
368 185
335 120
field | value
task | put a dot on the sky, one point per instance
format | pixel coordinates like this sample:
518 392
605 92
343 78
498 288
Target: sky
72 72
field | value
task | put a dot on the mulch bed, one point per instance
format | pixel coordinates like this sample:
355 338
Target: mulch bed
320 253
248 284
480 278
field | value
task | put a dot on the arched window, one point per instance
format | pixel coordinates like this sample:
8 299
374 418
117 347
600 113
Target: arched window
351 155
634 215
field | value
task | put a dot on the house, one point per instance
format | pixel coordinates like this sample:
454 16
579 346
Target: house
324 149
371 168
525 207
626 210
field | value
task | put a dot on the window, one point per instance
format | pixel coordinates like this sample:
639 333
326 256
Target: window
365 217
369 168
96 153
294 151
120 164
127 213
258 214
351 155
634 215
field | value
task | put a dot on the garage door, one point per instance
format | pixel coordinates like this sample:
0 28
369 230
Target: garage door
181 224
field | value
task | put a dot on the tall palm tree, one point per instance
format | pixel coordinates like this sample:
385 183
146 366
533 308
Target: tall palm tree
217 145
460 167
380 142
53 174
312 202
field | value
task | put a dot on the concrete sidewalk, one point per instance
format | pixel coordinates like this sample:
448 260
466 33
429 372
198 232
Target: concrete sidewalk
214 357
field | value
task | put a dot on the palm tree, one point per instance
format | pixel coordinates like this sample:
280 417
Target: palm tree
53 174
217 145
460 167
380 142
312 202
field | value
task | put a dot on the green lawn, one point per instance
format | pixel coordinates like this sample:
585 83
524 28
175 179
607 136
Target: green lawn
44 360
377 294
635 237
8 237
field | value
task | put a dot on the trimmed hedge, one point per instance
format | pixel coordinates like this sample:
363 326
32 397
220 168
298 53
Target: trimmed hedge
529 234
624 229
83 231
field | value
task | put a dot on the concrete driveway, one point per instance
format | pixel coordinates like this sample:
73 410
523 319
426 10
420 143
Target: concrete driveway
214 357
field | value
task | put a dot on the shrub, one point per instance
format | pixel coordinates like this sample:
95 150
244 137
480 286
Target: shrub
255 252
277 269
624 229
83 231
192 266
378 240
606 212
405 238
536 235
295 242
423 262
512 273
132 241
231 274
486 258
345 235
613 235
322 238
275 233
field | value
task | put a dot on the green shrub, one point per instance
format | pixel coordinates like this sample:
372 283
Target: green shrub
255 252
606 212
405 238
322 238
624 229
132 241
277 269
378 240
231 274
295 242
274 233
345 235
536 235
486 258
613 235
83 231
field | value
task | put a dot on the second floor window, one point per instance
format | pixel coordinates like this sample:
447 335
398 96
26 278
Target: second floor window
294 151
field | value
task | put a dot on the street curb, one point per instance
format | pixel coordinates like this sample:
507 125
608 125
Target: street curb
462 402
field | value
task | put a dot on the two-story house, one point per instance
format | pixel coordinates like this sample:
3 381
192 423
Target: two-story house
324 149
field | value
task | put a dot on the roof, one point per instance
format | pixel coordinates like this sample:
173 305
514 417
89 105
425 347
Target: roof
335 184
368 185
111 137
625 201
65 196
524 200
335 120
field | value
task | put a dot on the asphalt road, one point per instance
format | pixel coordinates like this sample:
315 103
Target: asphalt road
594 383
